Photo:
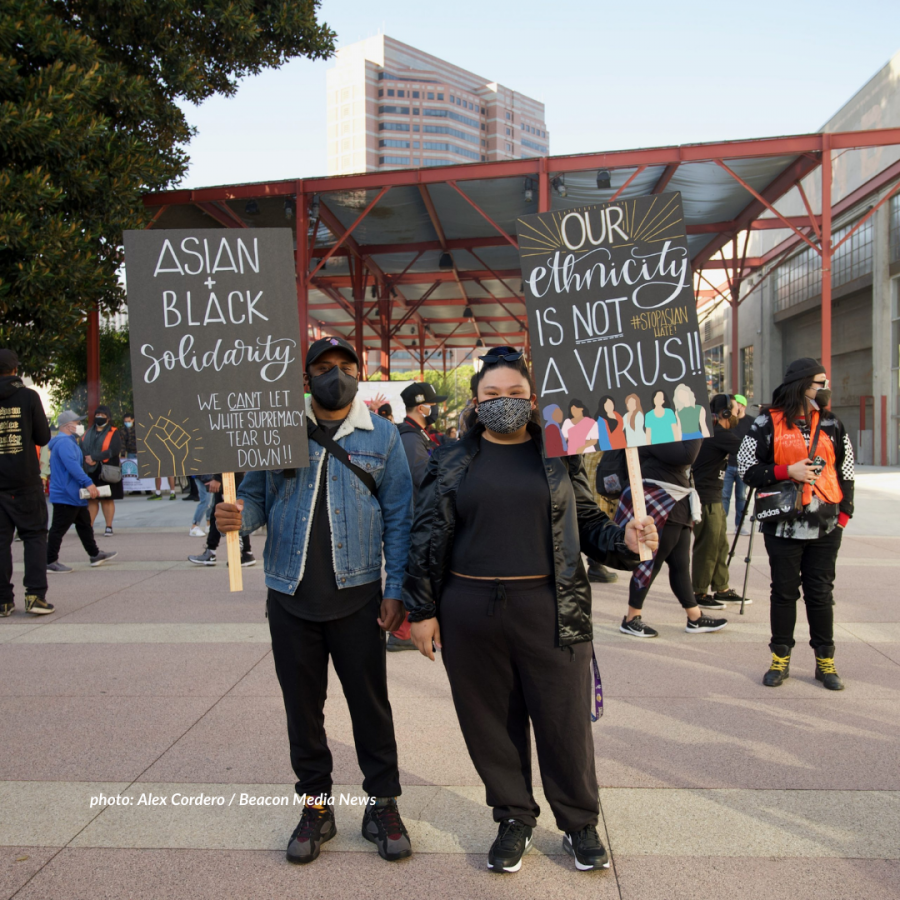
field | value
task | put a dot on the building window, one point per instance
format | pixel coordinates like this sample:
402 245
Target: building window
482 127
396 110
434 162
509 148
415 145
401 93
416 161
404 145
415 95
380 92
446 113
446 129
431 95
483 158
415 127
415 110
747 372
393 126
895 227
451 98
483 111
390 92
394 160
507 117
532 145
714 363
484 143
459 102
440 96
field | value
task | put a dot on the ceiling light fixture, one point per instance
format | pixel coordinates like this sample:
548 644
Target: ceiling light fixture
603 179
446 261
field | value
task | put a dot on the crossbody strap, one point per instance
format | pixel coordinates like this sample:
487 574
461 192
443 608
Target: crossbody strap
815 438
320 436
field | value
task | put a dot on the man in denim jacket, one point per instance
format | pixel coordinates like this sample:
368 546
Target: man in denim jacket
323 560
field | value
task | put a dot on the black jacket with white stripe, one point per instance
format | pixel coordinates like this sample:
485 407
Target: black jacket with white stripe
756 465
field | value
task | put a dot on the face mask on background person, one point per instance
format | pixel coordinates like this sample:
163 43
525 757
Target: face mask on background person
79 430
100 421
504 415
335 389
431 418
129 424
823 398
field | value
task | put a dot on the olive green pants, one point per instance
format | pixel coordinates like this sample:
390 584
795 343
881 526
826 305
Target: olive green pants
708 565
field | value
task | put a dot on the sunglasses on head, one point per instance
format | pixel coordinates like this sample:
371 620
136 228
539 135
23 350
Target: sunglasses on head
502 353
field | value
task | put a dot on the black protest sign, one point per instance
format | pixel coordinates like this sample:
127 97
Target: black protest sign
215 351
613 321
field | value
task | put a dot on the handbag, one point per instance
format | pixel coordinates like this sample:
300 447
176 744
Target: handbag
783 501
110 474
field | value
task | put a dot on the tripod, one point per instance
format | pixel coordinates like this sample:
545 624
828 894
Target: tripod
737 534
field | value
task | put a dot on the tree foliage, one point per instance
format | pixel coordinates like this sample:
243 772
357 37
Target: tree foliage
454 386
69 388
89 121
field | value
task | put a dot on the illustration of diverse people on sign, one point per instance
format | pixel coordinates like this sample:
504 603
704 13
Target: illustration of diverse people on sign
570 431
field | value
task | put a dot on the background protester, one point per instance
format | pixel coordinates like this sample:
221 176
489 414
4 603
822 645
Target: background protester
710 557
202 512
420 399
23 430
597 572
674 505
157 494
802 549
67 478
386 412
733 484
327 525
102 449
213 485
452 435
495 579
128 437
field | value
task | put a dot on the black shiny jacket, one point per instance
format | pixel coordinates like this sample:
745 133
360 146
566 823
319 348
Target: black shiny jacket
578 526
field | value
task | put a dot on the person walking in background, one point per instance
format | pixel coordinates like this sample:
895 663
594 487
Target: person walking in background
67 478
102 449
23 429
710 556
157 494
128 437
214 536
202 512
386 412
675 506
635 436
733 484
796 439
495 580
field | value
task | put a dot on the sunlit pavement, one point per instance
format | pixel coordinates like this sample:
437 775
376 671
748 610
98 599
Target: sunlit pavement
152 680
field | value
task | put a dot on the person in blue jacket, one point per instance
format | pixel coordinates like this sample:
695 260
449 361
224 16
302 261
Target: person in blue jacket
67 478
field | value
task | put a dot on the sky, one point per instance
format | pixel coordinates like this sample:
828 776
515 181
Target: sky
642 73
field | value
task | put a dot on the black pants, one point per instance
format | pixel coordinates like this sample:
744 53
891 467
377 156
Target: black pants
674 549
811 564
214 536
25 512
505 669
64 516
356 645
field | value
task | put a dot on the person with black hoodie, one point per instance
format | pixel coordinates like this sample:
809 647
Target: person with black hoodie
23 429
709 562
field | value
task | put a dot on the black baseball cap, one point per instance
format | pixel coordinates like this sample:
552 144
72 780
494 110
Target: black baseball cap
323 345
9 360
419 393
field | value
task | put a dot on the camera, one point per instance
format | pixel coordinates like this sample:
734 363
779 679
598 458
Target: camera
819 463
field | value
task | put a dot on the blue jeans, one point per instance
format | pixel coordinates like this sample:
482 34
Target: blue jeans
733 480
203 504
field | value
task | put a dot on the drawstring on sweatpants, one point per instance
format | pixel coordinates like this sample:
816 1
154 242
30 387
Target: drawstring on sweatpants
498 592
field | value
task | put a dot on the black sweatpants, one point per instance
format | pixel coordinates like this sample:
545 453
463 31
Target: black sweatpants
674 549
26 512
356 645
214 536
505 669
64 516
811 564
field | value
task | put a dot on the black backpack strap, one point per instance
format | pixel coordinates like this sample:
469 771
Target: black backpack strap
320 436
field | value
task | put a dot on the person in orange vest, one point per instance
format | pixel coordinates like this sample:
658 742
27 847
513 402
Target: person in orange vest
797 438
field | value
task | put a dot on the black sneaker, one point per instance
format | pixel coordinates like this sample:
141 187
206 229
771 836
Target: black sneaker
206 558
705 624
586 848
247 559
103 556
59 568
706 601
637 628
108 532
601 575
37 606
316 826
6 609
513 841
731 596
383 826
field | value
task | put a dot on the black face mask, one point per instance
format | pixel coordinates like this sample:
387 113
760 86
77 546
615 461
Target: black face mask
431 418
333 390
823 398
100 422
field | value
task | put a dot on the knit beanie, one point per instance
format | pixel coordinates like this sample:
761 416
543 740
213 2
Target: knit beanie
803 368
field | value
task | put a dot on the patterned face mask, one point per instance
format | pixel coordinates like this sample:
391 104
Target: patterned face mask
504 415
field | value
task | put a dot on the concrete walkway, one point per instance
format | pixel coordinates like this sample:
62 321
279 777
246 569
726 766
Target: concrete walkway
153 681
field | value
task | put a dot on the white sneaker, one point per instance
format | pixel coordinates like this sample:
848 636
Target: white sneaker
197 531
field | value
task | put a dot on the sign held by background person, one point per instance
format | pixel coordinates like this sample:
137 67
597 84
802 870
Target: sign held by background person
616 350
215 353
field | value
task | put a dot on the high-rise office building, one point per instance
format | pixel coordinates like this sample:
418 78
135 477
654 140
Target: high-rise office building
392 106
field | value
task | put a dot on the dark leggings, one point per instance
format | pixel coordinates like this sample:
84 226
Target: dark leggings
674 549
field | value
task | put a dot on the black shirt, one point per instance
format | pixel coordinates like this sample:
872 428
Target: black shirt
672 462
503 514
709 467
742 430
318 598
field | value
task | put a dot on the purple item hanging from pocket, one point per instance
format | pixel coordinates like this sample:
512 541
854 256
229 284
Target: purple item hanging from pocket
598 688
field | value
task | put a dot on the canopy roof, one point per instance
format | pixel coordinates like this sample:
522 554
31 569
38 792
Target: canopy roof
421 259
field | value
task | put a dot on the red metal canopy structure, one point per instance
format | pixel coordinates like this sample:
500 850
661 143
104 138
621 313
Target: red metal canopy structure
423 260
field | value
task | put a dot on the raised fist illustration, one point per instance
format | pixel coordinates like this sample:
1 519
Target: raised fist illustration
170 444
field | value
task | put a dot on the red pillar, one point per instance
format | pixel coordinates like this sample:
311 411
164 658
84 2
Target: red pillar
93 361
543 187
384 316
301 257
826 255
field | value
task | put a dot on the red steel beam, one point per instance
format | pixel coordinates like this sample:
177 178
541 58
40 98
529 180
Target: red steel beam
665 178
222 215
634 175
483 214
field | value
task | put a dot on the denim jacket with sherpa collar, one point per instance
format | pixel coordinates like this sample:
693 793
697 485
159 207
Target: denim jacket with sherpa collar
360 523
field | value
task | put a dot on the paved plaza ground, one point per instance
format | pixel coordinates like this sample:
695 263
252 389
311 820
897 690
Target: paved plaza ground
152 679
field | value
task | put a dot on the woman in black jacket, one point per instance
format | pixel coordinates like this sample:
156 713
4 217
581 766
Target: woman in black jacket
802 550
102 446
666 472
495 579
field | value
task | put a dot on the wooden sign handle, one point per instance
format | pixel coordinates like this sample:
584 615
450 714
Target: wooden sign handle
233 538
637 494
